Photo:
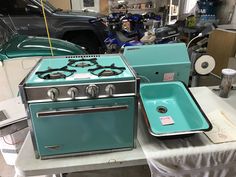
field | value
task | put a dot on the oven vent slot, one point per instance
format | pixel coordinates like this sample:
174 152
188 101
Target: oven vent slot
83 56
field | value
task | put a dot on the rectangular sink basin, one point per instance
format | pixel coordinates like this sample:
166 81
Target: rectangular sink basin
170 109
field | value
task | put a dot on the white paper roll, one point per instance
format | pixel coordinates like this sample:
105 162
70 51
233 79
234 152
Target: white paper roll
204 64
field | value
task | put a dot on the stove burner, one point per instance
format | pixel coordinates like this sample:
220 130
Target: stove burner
58 73
82 63
107 70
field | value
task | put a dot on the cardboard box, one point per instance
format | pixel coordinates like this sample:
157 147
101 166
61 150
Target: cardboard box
104 7
221 46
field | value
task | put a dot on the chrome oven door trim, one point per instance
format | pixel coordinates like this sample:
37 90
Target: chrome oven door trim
76 111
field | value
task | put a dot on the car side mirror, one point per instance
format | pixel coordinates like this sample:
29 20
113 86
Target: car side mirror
32 9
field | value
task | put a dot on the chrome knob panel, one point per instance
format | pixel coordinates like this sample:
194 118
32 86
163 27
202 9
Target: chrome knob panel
110 89
53 94
73 92
92 91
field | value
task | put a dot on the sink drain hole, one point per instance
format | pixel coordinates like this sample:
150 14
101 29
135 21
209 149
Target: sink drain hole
161 109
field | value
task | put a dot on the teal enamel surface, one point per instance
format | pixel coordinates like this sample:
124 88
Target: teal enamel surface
179 104
152 62
104 60
152 54
87 131
28 46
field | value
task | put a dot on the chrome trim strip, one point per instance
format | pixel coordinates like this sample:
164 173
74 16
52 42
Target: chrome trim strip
135 124
40 93
81 98
86 83
53 147
76 111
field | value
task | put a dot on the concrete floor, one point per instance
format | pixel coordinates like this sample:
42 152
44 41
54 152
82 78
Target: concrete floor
6 170
137 171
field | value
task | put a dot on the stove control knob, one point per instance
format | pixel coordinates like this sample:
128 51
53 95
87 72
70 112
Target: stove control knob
110 89
73 92
53 94
92 91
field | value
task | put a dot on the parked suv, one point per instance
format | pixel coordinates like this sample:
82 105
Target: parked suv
79 27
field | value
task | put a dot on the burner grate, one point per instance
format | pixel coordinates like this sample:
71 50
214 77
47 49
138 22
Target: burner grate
58 73
82 63
105 71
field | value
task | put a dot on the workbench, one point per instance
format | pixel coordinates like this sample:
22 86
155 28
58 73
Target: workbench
195 155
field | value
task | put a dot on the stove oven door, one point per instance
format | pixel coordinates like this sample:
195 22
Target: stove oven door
61 128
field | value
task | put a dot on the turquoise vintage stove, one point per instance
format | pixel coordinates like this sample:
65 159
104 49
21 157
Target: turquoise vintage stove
81 104
158 63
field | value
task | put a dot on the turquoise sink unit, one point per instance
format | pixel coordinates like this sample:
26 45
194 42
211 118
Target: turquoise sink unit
170 109
157 63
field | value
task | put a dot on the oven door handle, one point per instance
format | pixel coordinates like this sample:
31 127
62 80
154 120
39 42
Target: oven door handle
76 111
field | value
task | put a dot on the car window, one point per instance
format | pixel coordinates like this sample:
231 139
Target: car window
13 7
5 6
47 5
4 35
50 6
18 7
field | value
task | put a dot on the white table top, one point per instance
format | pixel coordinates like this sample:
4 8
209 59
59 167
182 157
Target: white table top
14 110
28 165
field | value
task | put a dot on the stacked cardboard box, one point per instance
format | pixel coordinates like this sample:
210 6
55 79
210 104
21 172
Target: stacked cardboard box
222 46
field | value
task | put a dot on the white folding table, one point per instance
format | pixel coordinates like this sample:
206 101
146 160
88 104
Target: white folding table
195 155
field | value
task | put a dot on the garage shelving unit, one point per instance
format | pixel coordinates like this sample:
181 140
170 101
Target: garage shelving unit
173 11
134 6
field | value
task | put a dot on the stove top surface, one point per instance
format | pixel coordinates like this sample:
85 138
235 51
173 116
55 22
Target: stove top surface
79 69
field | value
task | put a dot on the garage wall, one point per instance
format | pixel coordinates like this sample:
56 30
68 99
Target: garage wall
63 4
234 16
225 10
79 5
